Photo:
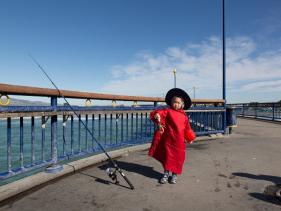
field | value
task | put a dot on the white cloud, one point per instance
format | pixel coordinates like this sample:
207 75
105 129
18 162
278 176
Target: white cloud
199 65
263 86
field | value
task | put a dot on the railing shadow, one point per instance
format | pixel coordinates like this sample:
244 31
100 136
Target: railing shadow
273 179
269 194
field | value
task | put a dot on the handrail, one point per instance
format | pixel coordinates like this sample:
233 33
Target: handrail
263 104
47 92
36 91
265 111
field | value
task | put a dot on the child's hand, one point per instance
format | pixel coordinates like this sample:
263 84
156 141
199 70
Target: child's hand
157 117
161 128
189 142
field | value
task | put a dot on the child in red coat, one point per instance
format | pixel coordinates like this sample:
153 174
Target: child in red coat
168 145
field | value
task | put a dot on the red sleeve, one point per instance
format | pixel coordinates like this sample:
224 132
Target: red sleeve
162 113
189 134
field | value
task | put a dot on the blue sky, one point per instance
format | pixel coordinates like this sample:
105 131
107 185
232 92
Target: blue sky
131 46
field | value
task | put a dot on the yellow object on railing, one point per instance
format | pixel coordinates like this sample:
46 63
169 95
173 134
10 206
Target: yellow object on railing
114 103
88 102
4 100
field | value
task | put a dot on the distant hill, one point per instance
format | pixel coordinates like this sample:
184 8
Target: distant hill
18 102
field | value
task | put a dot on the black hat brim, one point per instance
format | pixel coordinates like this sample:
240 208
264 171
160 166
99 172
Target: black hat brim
176 92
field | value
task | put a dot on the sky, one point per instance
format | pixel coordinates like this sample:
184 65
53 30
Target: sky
131 47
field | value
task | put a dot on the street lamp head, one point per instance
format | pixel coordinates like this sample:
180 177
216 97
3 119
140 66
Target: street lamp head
175 80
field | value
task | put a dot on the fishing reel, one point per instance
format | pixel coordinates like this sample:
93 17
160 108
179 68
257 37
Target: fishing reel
278 193
112 174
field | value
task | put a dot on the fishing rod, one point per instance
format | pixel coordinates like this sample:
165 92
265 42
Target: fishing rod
110 172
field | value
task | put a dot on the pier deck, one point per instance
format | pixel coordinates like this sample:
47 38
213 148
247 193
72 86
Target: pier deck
230 173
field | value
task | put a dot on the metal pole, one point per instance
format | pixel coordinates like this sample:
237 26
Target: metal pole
223 64
223 51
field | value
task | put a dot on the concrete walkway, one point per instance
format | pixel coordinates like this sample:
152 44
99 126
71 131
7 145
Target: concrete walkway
232 173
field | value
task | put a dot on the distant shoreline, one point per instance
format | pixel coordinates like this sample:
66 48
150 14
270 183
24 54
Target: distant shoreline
19 102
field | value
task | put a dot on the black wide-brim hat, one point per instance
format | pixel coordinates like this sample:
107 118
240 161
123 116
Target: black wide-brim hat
176 92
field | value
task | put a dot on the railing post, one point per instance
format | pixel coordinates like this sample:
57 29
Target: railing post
273 111
224 119
43 132
21 143
54 168
256 109
155 105
9 145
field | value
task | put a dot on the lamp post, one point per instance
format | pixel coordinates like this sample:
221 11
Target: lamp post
194 88
223 65
223 51
175 77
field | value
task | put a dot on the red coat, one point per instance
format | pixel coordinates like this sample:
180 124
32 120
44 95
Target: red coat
168 147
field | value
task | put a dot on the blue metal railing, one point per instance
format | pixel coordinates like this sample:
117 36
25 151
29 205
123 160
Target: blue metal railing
34 137
266 111
206 120
36 141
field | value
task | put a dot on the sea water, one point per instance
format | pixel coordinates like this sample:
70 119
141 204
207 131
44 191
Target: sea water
107 132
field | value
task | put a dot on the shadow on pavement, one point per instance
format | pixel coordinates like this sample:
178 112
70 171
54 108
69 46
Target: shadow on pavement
269 194
273 179
146 171
197 146
266 198
106 182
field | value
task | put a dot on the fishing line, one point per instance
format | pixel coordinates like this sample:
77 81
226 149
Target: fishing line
117 169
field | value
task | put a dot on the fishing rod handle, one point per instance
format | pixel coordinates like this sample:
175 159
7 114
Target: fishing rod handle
129 183
126 179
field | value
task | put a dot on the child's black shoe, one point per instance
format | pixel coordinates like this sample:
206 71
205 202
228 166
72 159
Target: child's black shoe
174 179
165 178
